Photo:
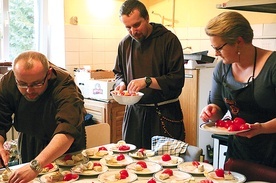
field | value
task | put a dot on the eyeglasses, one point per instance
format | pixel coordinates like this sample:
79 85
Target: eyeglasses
219 48
36 85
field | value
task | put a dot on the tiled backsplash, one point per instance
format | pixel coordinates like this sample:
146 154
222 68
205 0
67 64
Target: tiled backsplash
96 46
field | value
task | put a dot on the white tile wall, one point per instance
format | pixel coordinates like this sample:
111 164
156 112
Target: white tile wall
97 45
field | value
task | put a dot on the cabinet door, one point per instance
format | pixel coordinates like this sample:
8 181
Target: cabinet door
97 109
116 118
189 105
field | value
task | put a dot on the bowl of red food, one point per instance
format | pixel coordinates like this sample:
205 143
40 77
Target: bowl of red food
126 98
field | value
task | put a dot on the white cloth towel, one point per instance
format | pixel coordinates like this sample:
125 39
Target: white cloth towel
161 145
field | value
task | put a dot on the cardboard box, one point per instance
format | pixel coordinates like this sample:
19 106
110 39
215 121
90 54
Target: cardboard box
101 74
97 88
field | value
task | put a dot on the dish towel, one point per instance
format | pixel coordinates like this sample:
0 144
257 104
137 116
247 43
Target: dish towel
161 145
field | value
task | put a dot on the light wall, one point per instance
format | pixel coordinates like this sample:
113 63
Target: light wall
94 40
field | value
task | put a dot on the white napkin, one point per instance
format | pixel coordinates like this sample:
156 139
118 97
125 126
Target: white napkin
161 145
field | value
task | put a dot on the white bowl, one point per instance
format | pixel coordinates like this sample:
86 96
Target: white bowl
127 100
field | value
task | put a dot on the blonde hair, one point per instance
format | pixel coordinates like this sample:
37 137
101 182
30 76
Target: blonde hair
229 26
29 57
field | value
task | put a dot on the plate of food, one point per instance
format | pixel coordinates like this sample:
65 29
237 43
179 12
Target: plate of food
122 147
116 160
168 175
97 152
64 176
90 168
5 175
126 98
166 160
141 153
120 176
217 129
195 167
219 175
51 167
144 167
71 159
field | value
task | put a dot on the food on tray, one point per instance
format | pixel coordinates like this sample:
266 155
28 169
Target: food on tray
198 165
6 175
236 124
100 152
71 159
124 93
60 176
166 174
123 174
140 165
87 166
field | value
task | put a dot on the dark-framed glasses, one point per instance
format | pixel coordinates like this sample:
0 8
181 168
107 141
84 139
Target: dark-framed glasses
219 48
34 85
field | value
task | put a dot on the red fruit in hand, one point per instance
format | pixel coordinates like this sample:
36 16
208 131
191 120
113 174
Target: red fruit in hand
219 172
120 157
168 171
238 121
124 148
233 127
142 164
219 123
102 149
227 123
166 157
244 126
67 157
151 181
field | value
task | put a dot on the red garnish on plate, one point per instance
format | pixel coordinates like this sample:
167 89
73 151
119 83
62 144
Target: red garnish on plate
120 157
166 157
168 171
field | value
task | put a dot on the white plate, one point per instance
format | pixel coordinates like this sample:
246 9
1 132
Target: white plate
115 148
55 168
175 160
93 172
152 167
43 178
190 168
239 178
176 177
147 153
109 177
97 156
210 127
60 161
121 163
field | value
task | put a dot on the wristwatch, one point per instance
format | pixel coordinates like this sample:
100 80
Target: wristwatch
34 164
148 81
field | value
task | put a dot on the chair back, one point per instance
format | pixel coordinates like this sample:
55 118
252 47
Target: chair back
192 153
97 134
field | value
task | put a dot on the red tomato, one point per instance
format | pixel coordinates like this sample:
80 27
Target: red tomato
233 127
195 163
124 148
97 164
219 123
244 126
123 174
166 157
239 121
67 157
227 123
168 171
120 157
49 166
151 181
70 176
142 164
102 149
219 172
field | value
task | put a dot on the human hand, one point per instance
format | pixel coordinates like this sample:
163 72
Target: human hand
23 174
136 85
210 112
121 87
255 129
5 155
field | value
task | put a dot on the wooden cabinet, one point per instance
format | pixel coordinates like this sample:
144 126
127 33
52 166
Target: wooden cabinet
107 112
188 101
